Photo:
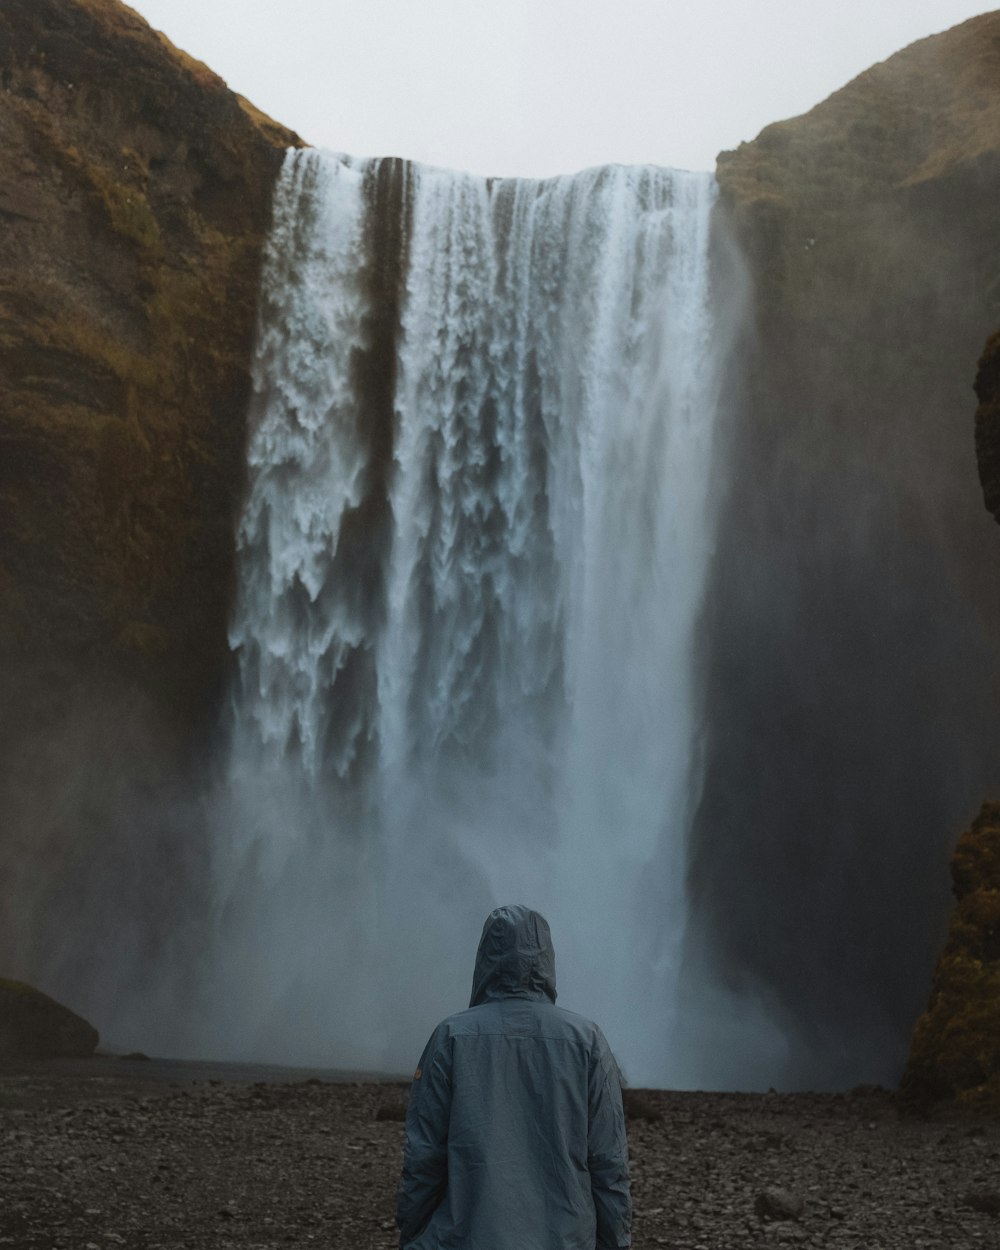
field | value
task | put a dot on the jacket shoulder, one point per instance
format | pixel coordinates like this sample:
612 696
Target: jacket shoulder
521 1016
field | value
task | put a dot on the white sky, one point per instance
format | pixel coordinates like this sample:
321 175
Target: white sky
538 87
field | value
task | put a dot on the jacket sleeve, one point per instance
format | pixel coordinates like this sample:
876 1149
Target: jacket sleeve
425 1154
607 1152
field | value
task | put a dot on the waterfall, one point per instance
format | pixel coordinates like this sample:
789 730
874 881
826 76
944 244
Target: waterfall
470 561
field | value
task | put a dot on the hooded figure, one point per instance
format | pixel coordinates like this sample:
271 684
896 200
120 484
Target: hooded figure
515 1137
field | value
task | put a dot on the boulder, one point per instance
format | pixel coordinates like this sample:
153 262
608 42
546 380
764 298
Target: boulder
34 1026
639 1106
776 1203
985 1200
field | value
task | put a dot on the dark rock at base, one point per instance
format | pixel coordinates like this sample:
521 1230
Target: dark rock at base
985 1200
34 1026
778 1204
638 1106
391 1111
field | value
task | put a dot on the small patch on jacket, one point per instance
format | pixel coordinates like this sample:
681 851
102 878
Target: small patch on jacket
416 1075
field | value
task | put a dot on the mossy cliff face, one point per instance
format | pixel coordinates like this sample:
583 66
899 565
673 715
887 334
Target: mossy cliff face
135 195
851 635
956 1045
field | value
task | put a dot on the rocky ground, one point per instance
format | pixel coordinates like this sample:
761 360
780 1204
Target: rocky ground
107 1154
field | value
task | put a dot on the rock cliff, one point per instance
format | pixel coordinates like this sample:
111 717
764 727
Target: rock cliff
851 636
134 196
134 199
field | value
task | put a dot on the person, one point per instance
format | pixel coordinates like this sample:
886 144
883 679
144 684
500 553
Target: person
515 1135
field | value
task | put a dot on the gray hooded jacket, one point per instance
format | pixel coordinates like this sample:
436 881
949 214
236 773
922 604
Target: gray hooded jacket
515 1137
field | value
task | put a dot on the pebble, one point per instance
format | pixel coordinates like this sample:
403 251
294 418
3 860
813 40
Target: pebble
237 1167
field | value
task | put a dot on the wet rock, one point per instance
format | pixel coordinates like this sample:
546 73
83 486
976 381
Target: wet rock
639 1106
395 1110
32 1025
776 1203
985 1200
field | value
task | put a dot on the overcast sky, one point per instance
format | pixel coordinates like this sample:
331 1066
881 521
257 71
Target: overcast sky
538 87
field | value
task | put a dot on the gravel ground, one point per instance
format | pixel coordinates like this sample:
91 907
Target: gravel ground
107 1154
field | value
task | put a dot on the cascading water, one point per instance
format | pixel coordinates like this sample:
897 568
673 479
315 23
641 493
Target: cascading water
470 562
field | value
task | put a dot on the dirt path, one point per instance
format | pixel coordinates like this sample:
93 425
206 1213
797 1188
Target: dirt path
109 1155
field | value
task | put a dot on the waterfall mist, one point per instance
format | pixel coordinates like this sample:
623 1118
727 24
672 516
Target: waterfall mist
471 558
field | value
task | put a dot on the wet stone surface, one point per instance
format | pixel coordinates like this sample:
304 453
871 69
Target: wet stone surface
93 1162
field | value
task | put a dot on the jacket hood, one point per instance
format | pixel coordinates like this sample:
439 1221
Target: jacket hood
515 957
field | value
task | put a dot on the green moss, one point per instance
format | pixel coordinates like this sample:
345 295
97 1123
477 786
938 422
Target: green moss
121 199
93 343
955 1052
129 351
984 1098
127 209
976 862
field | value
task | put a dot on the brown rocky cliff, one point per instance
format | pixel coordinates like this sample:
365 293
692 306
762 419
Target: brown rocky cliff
921 127
851 634
134 199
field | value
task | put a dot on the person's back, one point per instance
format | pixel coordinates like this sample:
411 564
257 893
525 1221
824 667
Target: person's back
515 1135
